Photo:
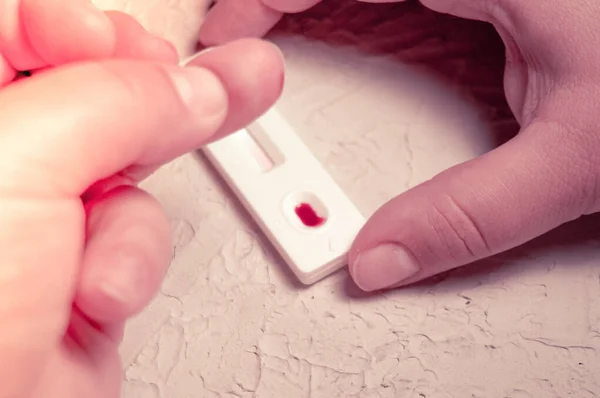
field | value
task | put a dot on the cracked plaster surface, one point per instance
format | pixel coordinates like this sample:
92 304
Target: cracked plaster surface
230 320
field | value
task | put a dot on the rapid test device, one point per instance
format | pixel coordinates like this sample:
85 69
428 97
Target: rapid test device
305 214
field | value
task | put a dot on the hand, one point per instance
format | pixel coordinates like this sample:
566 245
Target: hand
233 19
547 175
82 248
37 34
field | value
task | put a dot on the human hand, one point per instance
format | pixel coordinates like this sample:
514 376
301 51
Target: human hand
38 34
546 176
82 248
233 19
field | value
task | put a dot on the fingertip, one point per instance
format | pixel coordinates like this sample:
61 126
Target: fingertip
15 44
252 72
374 268
296 6
127 253
117 292
62 34
231 20
163 49
135 42
154 48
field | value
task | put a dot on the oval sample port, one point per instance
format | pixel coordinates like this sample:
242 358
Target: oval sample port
304 210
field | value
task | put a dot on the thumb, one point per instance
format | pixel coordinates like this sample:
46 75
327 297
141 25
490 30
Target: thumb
507 197
101 118
107 123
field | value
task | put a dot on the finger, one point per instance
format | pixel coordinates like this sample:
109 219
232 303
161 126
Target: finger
476 10
126 113
291 6
134 42
245 100
93 346
254 87
127 254
7 73
14 44
230 20
63 31
491 204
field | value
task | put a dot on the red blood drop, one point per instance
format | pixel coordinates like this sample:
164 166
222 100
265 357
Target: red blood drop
308 215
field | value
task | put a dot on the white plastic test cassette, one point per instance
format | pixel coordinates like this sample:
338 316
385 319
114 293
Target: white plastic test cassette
304 213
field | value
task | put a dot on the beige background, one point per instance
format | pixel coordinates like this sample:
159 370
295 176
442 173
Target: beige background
230 321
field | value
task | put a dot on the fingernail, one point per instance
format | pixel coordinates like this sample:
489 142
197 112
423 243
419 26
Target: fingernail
186 61
201 90
277 49
383 266
122 280
282 57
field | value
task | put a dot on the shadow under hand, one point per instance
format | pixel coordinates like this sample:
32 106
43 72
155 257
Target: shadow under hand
469 55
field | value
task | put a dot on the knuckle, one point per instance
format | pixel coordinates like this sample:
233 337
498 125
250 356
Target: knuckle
120 88
128 86
122 85
457 231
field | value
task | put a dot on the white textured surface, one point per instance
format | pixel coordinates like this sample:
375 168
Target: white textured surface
231 322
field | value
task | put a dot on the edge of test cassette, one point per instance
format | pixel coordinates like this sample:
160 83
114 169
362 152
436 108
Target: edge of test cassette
301 209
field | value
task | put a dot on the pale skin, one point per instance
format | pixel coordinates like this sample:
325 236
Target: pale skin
79 256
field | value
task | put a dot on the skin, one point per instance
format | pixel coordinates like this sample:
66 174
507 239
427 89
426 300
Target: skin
82 248
547 175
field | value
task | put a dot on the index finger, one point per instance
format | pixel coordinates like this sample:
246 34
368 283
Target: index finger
99 118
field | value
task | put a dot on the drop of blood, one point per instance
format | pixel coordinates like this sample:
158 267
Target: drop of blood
308 215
